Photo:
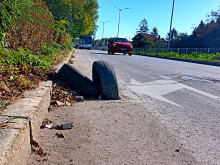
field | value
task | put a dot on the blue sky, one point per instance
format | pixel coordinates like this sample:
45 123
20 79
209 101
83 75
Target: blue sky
187 14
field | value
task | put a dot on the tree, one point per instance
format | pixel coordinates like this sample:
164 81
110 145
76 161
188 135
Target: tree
206 34
174 34
84 15
154 32
143 27
59 8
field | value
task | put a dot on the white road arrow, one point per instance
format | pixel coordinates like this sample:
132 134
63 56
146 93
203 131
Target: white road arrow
157 89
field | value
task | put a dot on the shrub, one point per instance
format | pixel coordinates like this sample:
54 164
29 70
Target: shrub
28 24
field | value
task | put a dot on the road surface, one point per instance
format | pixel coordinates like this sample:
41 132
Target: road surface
184 94
167 108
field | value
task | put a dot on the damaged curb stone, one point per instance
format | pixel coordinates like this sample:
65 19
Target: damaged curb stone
14 141
34 107
24 119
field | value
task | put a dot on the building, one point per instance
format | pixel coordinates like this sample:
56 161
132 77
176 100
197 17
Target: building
148 40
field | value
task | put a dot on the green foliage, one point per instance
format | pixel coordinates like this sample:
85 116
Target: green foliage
140 41
155 32
143 26
206 34
192 56
29 23
21 70
84 15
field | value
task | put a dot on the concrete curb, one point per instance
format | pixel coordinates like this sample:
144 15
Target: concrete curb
184 60
23 120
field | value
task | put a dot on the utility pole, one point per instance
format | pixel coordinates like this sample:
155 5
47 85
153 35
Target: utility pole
119 17
70 21
103 27
171 21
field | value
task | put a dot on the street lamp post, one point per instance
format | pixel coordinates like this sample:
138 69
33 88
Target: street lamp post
119 17
103 27
171 21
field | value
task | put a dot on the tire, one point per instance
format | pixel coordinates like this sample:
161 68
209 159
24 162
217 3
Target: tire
113 52
78 81
104 76
124 53
129 54
109 52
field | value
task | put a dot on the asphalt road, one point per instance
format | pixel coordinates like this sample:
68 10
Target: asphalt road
185 96
168 114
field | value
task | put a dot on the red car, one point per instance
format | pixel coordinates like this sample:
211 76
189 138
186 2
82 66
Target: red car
120 45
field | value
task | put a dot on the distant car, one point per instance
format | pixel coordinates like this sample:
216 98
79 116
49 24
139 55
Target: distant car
120 45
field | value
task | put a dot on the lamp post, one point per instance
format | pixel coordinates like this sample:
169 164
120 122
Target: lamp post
171 21
103 27
119 17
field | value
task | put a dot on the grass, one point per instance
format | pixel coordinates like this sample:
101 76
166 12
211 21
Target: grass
22 70
192 56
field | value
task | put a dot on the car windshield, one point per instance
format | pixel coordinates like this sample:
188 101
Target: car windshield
121 40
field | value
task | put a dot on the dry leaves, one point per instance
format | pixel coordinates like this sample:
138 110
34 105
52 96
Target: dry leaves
62 96
37 149
22 78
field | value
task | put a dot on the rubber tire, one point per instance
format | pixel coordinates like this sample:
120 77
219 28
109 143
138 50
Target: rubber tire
129 54
104 76
77 81
124 53
109 52
113 52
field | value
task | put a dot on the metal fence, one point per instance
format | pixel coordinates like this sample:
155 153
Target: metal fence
179 50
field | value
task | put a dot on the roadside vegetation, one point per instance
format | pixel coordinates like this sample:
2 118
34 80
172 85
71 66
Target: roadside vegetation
32 40
192 56
205 35
21 70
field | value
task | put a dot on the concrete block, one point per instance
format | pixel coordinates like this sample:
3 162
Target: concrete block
14 141
33 107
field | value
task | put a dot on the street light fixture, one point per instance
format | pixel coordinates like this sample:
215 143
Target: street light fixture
103 27
171 21
119 17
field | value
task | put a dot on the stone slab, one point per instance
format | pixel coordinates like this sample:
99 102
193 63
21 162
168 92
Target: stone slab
15 141
33 107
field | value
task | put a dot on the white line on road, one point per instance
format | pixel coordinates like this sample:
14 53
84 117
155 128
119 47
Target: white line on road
157 89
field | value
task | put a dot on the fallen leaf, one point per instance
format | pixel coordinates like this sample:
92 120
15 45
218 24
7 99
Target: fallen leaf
67 103
60 135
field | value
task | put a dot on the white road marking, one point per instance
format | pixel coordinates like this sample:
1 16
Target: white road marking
157 89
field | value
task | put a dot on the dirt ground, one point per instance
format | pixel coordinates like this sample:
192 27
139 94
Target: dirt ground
116 133
108 132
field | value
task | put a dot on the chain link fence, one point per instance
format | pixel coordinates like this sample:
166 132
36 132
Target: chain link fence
179 50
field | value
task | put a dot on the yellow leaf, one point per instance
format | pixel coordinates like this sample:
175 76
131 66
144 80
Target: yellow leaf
67 103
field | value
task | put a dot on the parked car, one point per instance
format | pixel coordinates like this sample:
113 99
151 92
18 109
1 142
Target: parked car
120 45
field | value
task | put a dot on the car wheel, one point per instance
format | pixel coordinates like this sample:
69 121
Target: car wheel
124 53
130 54
113 52
78 81
104 76
109 52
